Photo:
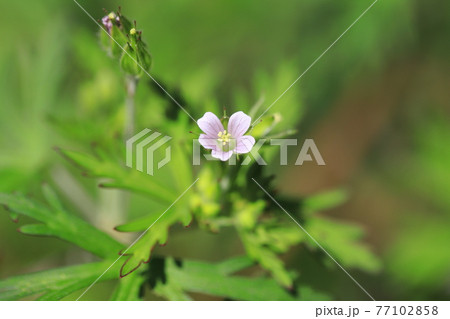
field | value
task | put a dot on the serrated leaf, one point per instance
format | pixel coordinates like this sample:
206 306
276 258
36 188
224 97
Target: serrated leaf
140 252
61 224
262 241
342 241
266 258
121 177
140 224
158 224
280 238
56 284
207 278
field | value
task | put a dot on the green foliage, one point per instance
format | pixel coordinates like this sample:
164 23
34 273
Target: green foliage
129 288
55 221
190 276
341 240
263 241
54 284
118 176
136 60
121 40
324 201
140 252
216 280
224 197
27 98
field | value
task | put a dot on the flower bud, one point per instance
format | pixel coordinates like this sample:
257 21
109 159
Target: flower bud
122 41
137 59
113 24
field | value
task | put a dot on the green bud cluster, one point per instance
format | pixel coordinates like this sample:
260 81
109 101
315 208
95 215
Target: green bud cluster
123 41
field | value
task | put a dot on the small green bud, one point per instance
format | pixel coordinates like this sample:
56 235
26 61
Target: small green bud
138 59
120 33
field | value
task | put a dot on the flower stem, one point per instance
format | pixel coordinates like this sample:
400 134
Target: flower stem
131 84
113 203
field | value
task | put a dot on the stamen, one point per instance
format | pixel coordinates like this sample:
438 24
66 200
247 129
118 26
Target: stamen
224 137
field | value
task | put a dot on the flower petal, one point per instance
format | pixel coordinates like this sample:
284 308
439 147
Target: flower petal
208 142
210 124
244 144
223 156
238 124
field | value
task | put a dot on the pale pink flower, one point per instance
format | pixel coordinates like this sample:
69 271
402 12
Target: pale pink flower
224 143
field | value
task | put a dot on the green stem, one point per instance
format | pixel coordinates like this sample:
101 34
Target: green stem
113 203
131 85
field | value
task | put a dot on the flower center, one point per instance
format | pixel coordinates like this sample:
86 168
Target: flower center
224 137
112 16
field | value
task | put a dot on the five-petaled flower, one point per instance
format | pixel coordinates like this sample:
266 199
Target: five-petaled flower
224 143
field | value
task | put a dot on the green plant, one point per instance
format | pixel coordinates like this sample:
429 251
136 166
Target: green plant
222 196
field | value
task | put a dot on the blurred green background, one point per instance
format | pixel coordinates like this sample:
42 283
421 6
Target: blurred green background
377 106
